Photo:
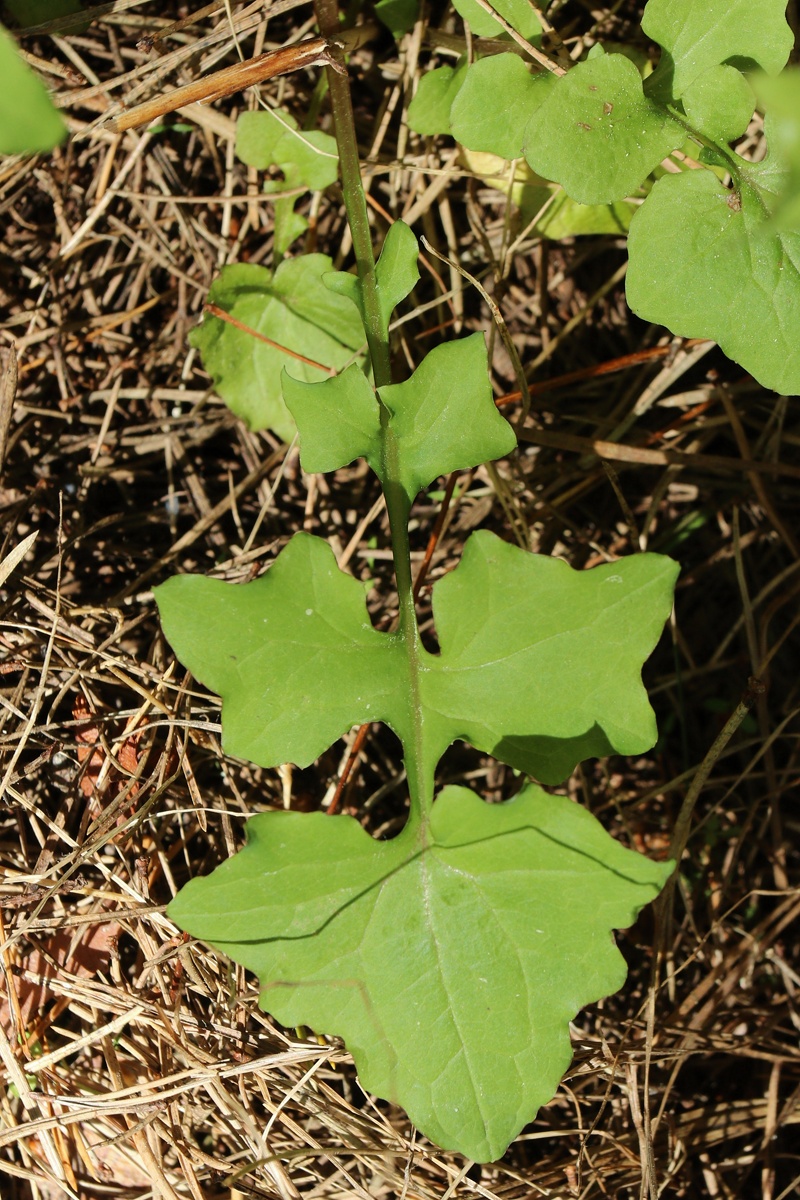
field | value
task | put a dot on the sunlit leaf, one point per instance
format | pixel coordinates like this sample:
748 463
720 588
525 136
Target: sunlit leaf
450 959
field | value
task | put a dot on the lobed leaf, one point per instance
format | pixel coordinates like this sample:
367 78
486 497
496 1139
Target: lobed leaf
540 665
698 36
297 662
443 418
450 959
293 654
293 308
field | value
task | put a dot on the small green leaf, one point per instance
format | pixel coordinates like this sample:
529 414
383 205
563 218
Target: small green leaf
519 674
268 138
450 959
28 121
497 127
597 134
399 16
257 135
730 275
720 103
697 36
396 274
293 654
429 111
294 309
444 416
397 271
518 13
337 420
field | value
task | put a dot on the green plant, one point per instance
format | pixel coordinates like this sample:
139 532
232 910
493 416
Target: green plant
709 256
451 958
28 120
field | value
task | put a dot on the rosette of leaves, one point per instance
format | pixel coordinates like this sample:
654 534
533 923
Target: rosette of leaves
708 258
451 958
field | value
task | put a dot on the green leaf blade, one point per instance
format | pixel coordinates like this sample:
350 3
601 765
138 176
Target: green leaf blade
696 37
519 674
597 134
444 416
518 13
429 110
498 128
293 654
732 277
338 420
720 103
468 1033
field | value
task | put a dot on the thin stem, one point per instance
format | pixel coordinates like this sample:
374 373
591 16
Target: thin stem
397 502
327 14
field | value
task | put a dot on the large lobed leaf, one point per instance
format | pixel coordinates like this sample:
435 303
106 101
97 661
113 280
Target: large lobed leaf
450 959
539 665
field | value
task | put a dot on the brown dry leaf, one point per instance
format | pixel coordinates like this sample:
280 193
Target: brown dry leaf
36 970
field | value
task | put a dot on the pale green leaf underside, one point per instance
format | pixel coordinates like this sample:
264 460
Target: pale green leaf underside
728 276
450 959
293 308
28 121
297 662
597 134
697 36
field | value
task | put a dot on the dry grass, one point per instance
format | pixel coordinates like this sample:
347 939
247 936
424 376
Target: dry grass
137 1064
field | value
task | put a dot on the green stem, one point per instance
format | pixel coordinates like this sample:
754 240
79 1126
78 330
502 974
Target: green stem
397 503
355 203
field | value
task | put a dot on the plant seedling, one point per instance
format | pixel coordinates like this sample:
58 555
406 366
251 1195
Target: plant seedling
451 958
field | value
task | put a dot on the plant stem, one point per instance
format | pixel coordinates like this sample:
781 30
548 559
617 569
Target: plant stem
397 503
327 14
